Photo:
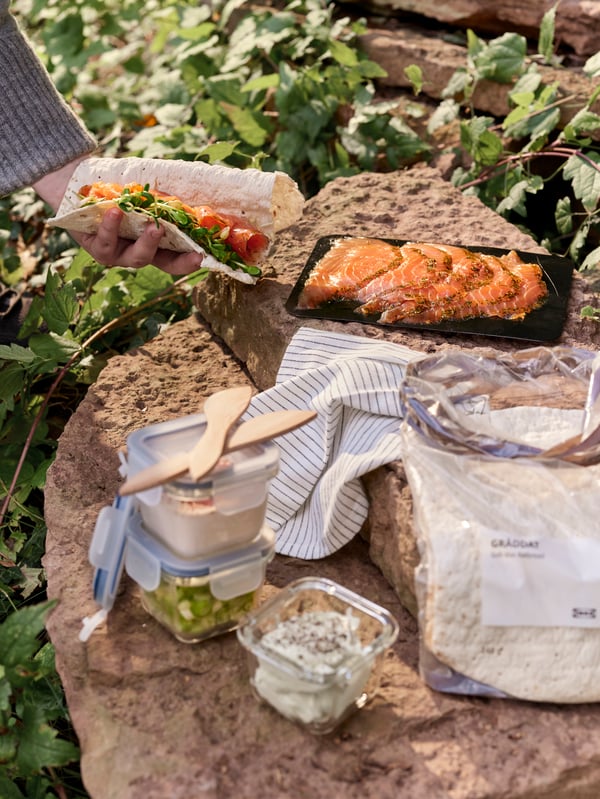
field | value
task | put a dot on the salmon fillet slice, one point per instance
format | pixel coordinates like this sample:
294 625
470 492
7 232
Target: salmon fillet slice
420 264
515 289
349 264
423 282
469 271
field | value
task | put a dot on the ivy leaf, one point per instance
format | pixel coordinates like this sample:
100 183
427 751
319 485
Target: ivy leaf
584 174
584 121
484 145
39 745
563 216
546 36
515 201
592 66
8 789
502 59
343 54
591 261
53 348
18 637
414 74
61 305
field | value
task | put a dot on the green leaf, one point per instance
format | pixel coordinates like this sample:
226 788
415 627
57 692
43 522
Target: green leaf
502 59
528 83
589 312
584 121
18 636
250 127
515 200
61 305
53 348
563 216
343 54
475 45
8 789
65 37
39 746
219 151
12 379
546 35
484 145
414 73
592 261
584 174
592 66
15 352
268 81
446 112
458 84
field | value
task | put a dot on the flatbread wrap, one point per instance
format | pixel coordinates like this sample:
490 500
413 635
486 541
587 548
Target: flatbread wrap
230 215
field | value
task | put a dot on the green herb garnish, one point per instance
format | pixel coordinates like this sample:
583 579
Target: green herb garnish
210 239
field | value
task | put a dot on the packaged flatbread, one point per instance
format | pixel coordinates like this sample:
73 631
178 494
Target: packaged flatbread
231 215
506 500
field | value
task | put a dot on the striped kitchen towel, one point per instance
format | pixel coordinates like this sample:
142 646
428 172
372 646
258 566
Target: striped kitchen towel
317 502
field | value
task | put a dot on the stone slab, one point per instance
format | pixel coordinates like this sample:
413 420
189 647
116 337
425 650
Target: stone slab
577 22
157 718
403 44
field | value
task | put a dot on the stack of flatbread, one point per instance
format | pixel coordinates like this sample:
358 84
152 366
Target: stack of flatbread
464 501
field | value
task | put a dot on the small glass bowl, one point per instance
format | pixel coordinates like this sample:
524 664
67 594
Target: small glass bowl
315 651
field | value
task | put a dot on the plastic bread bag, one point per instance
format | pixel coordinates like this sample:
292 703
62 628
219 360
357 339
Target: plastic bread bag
502 456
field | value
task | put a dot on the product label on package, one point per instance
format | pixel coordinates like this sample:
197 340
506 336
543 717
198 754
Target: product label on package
540 582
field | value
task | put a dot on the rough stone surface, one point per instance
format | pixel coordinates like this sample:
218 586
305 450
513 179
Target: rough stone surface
157 718
408 204
403 44
577 22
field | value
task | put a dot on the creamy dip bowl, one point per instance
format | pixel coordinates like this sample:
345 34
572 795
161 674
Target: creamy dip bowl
315 651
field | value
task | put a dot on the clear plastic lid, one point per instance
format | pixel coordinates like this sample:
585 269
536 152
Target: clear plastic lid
158 442
230 573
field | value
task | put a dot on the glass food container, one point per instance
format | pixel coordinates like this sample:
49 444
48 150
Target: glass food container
315 651
221 511
200 598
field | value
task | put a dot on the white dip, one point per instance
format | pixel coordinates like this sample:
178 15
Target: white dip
318 642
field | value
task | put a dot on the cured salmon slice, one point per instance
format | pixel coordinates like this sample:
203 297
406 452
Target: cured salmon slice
247 242
469 270
348 265
423 282
420 264
516 289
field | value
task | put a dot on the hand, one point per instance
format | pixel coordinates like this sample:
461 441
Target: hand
110 249
106 246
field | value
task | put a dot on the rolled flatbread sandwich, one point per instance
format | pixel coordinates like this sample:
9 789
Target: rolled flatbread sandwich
230 215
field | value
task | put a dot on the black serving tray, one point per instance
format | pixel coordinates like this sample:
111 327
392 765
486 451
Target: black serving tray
542 324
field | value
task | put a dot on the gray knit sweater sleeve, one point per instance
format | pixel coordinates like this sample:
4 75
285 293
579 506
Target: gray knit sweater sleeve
39 133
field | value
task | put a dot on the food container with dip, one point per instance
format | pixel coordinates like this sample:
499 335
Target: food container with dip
315 651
